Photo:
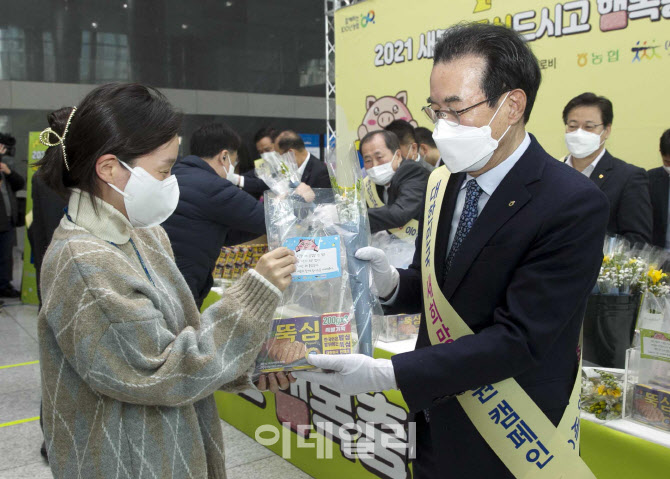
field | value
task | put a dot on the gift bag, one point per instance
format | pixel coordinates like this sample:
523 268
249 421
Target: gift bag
329 307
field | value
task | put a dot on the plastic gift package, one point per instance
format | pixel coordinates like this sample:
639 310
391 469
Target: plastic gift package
329 307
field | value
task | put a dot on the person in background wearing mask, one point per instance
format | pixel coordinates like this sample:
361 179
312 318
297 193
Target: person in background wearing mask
313 172
211 212
394 186
588 125
249 182
409 148
511 245
129 365
428 152
659 184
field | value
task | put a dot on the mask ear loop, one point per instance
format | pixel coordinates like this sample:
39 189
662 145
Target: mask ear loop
496 113
115 188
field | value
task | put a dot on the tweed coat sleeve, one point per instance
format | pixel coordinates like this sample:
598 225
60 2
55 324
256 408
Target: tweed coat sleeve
148 345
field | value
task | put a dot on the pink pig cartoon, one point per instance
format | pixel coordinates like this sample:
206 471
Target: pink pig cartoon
307 244
380 112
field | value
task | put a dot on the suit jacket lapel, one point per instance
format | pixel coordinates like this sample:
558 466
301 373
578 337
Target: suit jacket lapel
602 172
510 196
444 222
308 172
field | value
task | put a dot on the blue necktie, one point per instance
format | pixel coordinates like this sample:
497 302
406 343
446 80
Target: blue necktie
468 217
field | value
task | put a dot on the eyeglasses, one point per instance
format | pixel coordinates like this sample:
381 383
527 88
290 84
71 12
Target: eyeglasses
588 126
451 116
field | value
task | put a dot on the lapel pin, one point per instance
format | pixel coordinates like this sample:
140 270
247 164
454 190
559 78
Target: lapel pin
511 203
601 176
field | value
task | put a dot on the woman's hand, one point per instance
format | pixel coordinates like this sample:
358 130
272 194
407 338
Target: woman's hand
275 382
277 266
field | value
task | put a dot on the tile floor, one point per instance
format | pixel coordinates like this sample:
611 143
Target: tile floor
20 399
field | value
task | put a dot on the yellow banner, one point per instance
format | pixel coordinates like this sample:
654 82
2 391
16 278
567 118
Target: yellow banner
616 48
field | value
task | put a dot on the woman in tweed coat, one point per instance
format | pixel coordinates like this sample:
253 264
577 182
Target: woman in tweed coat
129 365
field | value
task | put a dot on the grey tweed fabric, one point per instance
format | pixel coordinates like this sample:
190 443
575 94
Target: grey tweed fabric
128 367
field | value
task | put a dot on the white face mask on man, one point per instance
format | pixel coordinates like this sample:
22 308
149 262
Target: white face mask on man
382 174
148 201
466 148
581 143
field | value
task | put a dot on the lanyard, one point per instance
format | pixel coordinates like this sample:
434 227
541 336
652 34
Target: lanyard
144 266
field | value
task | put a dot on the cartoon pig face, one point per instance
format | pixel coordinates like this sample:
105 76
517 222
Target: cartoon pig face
307 245
380 112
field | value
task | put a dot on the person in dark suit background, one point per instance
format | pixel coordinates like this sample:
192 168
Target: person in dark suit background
429 155
400 183
10 183
211 212
313 172
409 147
588 124
248 181
659 183
518 247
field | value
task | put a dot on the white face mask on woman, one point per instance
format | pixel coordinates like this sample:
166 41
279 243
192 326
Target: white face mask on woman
382 174
466 148
148 201
581 143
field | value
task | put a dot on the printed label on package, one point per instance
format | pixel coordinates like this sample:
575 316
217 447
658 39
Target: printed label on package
292 339
318 257
654 345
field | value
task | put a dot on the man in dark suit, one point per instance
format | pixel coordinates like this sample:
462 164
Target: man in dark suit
10 183
264 141
211 212
313 172
517 246
588 124
400 183
659 183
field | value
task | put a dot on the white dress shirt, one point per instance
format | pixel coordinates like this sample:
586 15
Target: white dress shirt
301 170
589 169
488 182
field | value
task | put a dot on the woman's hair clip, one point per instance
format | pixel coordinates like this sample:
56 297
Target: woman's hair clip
44 137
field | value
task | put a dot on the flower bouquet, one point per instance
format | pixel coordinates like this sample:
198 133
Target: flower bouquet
602 393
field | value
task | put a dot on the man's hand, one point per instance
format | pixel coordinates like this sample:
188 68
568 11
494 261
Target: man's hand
3 167
3 149
275 382
306 192
386 277
351 373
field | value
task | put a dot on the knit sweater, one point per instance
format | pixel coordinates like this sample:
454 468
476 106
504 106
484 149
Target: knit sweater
129 365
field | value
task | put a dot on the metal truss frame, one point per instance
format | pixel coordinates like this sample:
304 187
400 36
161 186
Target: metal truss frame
330 7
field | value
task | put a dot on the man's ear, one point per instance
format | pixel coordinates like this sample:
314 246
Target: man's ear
608 132
107 168
517 100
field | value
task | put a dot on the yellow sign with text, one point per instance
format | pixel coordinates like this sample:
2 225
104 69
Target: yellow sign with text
616 48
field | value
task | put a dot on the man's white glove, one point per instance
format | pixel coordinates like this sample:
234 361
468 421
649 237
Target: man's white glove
352 373
234 178
386 277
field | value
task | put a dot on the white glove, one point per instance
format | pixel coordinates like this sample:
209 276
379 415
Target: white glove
385 276
352 373
233 177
